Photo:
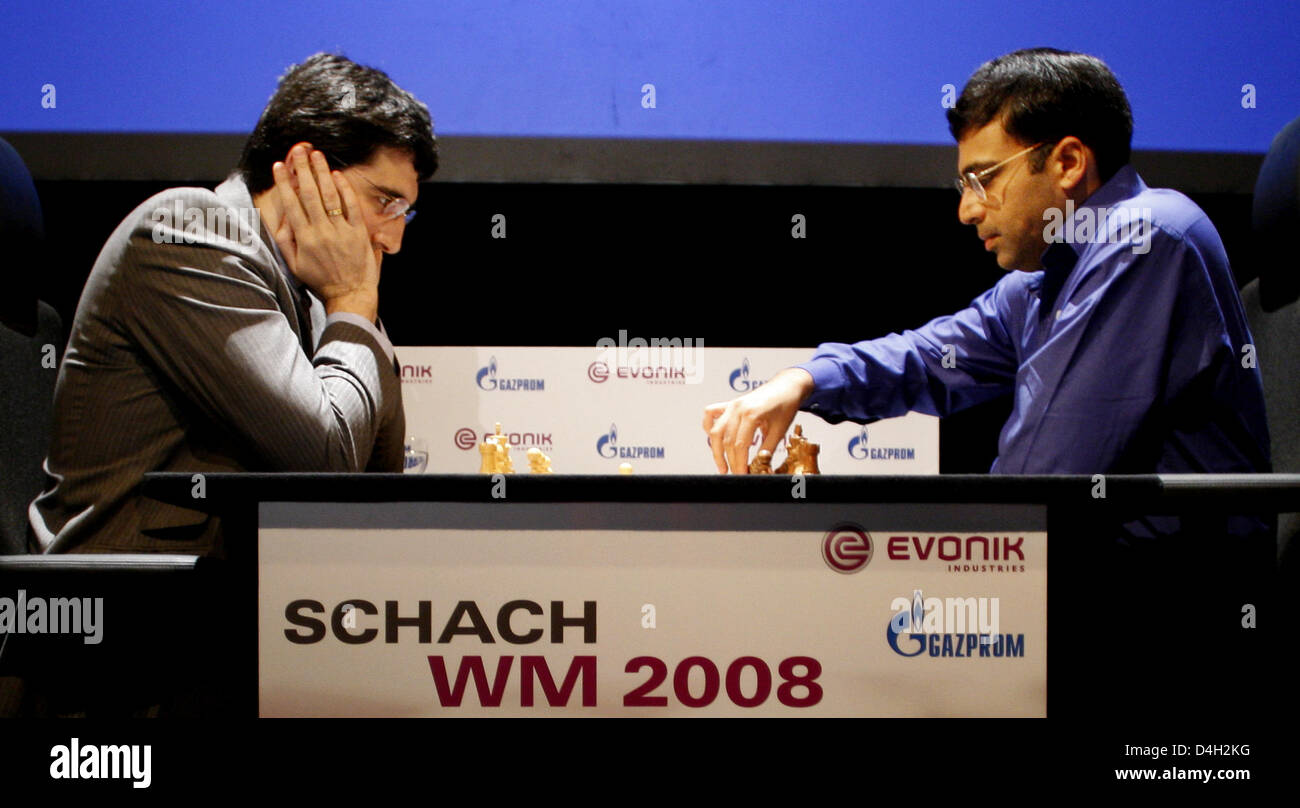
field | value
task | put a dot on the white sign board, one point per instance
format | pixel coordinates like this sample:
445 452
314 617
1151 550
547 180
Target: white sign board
652 609
591 410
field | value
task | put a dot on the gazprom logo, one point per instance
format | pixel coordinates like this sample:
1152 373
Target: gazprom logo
486 379
950 627
607 447
858 445
858 449
739 378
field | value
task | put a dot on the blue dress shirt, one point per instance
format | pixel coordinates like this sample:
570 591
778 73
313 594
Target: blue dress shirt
1126 354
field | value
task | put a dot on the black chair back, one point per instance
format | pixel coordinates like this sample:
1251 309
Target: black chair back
1273 308
31 344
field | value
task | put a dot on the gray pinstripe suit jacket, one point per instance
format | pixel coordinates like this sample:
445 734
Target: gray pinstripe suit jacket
199 357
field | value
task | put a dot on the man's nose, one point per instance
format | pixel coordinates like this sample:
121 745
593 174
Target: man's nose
970 210
389 236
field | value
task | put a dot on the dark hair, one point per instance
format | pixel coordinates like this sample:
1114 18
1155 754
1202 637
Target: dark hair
346 110
1044 95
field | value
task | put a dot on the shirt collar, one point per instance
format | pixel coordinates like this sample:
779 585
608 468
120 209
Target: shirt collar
1125 184
1060 257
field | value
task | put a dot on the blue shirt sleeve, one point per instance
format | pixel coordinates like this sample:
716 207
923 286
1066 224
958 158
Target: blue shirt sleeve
950 363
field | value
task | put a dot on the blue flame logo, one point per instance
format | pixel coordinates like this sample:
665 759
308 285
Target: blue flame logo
908 623
607 445
858 445
739 379
487 377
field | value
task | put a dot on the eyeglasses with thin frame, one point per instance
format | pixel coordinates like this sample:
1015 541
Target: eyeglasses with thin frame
975 180
393 206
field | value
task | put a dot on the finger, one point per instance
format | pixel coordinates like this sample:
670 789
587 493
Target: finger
738 446
774 434
288 244
329 195
715 423
351 205
711 413
308 191
289 202
293 175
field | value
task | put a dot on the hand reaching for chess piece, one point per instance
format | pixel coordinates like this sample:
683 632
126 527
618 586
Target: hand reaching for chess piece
771 408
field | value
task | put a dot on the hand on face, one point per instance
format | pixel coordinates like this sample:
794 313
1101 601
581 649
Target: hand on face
323 235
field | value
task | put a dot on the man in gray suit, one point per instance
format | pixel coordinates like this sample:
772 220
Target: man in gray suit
236 329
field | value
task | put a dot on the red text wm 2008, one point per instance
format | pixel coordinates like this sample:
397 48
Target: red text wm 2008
746 682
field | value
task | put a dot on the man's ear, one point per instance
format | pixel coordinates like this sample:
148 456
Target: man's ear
1075 163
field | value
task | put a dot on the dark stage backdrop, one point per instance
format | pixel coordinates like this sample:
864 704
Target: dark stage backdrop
713 263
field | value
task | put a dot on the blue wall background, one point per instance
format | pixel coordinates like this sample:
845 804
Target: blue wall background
860 72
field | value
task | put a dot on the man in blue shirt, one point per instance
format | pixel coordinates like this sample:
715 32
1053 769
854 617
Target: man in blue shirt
1118 331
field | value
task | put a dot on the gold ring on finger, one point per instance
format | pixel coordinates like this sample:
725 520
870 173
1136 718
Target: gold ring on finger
335 212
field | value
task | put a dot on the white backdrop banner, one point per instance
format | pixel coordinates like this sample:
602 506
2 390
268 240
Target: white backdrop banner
652 609
592 409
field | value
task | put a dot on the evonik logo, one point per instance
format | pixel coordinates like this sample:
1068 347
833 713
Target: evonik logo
656 361
847 548
467 438
417 374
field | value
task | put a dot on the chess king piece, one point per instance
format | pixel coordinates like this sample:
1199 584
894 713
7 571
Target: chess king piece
496 454
762 463
504 464
800 454
538 463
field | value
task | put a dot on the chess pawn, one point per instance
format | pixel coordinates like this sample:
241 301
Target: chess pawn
624 468
762 463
